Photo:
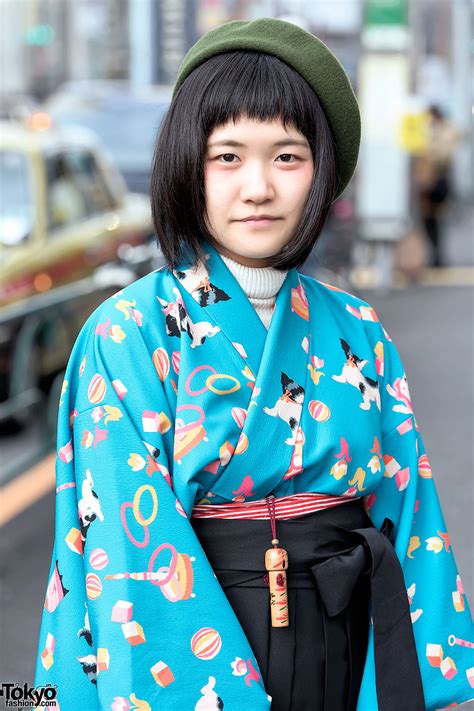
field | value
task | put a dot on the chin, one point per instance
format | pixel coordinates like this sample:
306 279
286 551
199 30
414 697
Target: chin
250 250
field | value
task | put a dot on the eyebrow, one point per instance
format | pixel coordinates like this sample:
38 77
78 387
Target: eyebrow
236 144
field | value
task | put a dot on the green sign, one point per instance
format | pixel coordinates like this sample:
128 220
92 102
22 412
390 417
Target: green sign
39 35
385 13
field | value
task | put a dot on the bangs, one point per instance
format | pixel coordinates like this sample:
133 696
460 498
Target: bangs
255 85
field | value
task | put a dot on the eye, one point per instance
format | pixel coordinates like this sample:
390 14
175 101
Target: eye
288 155
226 155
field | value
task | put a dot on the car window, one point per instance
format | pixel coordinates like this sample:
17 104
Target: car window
76 188
16 203
66 202
92 182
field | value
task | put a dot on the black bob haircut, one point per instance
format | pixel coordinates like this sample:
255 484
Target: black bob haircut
226 87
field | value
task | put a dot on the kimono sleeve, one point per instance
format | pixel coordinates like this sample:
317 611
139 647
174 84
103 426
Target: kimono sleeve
407 495
134 616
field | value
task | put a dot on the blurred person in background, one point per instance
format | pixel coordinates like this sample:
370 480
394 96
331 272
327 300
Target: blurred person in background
433 180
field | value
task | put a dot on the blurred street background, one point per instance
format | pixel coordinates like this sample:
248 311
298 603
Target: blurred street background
84 86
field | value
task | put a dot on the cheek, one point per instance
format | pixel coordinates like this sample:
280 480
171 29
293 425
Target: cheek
298 185
216 189
215 197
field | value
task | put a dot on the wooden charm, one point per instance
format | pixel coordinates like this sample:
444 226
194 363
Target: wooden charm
276 563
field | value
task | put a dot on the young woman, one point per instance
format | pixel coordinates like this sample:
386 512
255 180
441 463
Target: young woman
246 516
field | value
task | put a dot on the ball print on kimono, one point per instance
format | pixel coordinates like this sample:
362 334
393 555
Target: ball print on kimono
176 394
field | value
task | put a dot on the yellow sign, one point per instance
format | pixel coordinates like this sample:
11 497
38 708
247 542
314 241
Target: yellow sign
413 132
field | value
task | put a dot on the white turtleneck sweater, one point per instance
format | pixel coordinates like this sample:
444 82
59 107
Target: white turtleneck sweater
261 284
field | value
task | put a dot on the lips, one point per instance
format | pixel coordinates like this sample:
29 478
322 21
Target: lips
254 218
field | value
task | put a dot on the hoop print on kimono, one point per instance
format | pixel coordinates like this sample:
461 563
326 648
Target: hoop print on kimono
175 395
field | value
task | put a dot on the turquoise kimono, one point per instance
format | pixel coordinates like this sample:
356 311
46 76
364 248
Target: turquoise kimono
176 394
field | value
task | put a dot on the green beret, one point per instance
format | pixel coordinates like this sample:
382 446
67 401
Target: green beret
310 57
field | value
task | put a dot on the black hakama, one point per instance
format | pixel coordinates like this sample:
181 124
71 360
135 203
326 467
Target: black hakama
337 561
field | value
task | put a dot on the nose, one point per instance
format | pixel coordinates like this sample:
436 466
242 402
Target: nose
257 183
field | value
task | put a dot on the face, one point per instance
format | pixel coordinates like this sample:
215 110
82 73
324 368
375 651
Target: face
255 168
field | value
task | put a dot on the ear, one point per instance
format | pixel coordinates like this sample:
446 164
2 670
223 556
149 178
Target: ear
345 347
284 379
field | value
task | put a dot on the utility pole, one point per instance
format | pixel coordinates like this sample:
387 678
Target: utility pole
461 63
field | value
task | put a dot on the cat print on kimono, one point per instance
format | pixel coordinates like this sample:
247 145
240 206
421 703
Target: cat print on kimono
88 506
86 630
89 667
209 701
196 281
178 321
352 374
89 662
288 406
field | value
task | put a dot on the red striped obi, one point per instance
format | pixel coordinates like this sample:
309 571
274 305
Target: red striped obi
286 507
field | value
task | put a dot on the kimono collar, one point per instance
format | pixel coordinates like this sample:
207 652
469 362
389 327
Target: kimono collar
213 286
274 363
